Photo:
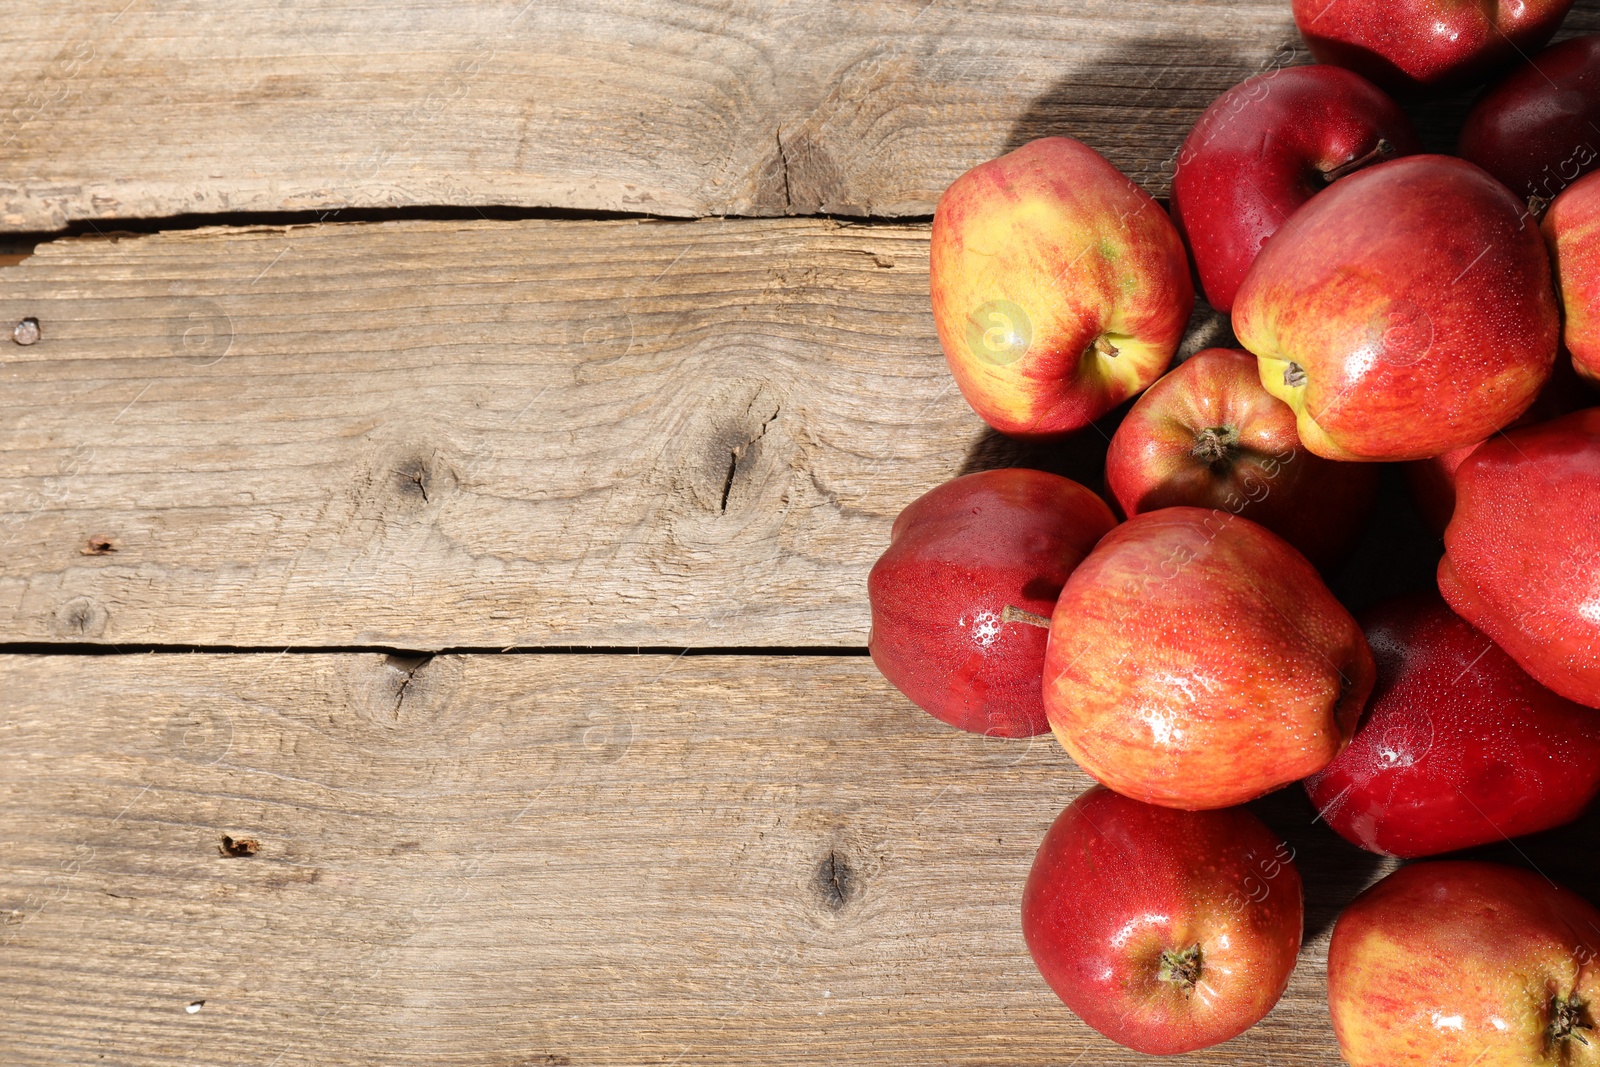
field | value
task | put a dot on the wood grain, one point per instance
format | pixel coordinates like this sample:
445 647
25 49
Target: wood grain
433 435
112 109
530 860
671 107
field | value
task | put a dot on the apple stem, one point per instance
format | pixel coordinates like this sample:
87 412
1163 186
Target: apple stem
1214 445
1103 346
1181 968
1384 150
1011 614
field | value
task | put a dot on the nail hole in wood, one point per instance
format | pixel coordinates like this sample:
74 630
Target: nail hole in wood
99 545
239 847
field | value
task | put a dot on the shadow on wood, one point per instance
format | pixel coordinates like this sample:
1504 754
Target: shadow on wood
1333 870
1565 855
1080 456
1157 87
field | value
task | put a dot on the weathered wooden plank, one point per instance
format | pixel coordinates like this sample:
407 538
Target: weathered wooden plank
675 107
432 435
515 860
112 109
678 107
440 434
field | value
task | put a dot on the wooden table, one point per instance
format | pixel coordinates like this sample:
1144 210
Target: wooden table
436 516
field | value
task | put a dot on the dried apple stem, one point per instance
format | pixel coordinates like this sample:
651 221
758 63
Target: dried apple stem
1383 151
1182 968
1214 445
1011 614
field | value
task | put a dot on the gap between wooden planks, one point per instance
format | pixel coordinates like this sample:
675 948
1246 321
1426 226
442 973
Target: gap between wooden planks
442 434
503 861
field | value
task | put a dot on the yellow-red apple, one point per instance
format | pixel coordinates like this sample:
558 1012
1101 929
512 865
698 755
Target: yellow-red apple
1060 288
1405 312
1196 660
1458 964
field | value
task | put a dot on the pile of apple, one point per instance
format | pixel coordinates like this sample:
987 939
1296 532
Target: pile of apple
1393 307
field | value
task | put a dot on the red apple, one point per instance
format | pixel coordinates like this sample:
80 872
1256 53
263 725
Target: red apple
1432 482
1060 289
1522 552
1538 130
1411 45
1264 148
1572 229
1432 485
1208 435
1453 964
1196 660
1405 312
1458 746
963 560
1167 931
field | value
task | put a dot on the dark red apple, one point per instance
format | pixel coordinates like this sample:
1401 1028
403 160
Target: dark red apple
1411 45
1265 147
1208 435
1538 129
1458 746
1522 552
1406 311
1167 931
972 571
1453 964
1432 482
1196 660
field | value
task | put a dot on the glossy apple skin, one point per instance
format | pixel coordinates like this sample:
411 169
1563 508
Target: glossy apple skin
1432 482
1522 552
1458 746
1038 257
1536 129
958 556
1264 148
1410 46
1572 230
1415 300
1116 884
1208 435
1197 661
1457 964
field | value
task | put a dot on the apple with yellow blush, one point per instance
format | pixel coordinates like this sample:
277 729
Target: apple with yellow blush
1060 288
